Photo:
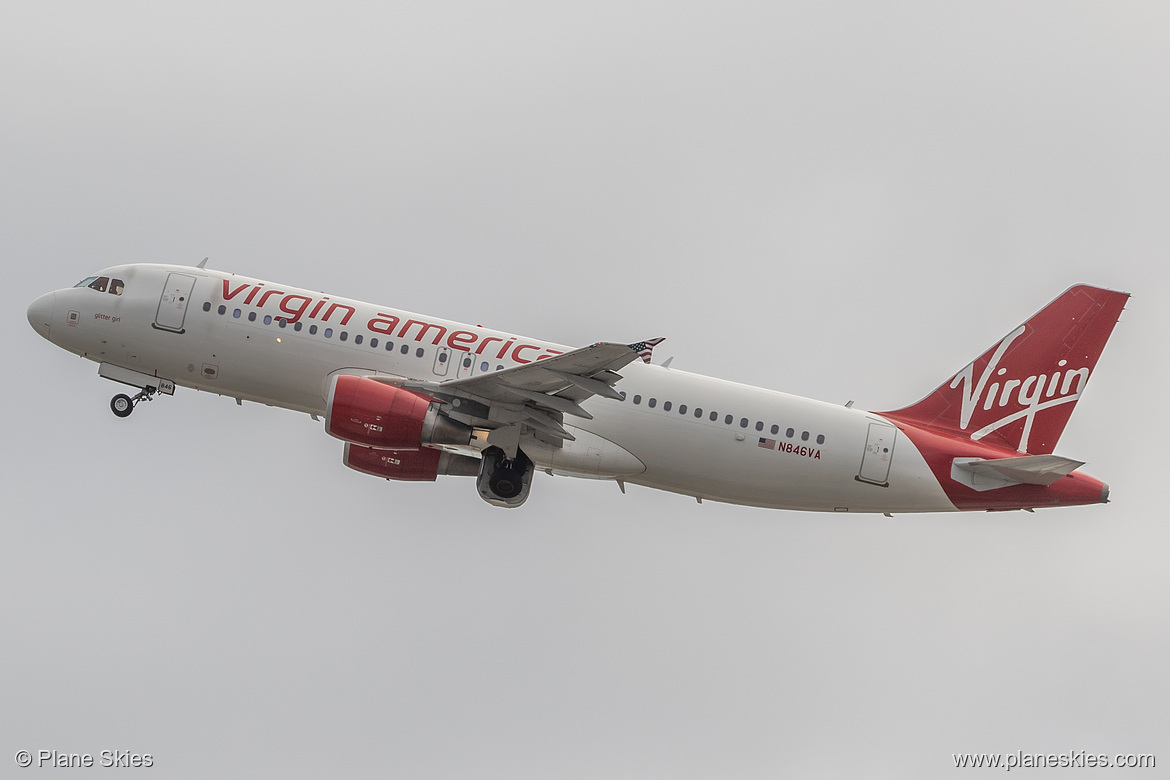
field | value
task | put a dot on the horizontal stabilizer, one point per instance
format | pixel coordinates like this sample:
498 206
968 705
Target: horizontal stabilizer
1001 472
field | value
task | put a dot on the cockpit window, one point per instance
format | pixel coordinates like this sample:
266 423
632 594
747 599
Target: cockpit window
103 284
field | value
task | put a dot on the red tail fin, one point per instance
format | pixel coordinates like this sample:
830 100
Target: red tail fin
1020 393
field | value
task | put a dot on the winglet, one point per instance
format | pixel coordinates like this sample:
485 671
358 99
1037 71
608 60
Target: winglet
646 348
203 263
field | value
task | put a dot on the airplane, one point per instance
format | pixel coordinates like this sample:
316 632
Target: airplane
414 397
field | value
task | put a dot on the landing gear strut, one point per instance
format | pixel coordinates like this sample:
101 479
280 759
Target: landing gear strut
122 405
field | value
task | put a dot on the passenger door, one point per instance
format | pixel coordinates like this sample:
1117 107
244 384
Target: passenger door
172 304
879 451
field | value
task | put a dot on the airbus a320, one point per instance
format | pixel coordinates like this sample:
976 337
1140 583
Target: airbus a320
415 397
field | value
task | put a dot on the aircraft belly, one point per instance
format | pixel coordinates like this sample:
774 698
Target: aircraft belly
588 455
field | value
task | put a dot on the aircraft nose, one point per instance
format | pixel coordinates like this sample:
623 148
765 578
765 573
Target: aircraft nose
40 313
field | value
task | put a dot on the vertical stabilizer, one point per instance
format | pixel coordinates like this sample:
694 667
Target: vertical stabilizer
1020 393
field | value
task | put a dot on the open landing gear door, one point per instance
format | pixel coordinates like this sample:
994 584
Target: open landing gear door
879 451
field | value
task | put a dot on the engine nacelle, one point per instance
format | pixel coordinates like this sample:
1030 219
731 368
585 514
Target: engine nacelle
423 465
374 414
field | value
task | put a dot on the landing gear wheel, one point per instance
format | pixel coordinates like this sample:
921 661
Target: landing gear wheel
504 486
121 405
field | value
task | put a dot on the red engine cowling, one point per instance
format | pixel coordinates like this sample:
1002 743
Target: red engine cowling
423 465
363 411
375 414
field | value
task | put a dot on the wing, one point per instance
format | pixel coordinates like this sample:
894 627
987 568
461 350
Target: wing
534 397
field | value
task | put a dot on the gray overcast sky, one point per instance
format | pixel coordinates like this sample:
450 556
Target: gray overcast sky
840 200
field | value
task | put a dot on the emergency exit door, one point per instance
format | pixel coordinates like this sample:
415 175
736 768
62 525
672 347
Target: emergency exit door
879 451
442 360
466 363
172 305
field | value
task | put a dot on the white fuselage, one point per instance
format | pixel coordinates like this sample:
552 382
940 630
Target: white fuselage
778 450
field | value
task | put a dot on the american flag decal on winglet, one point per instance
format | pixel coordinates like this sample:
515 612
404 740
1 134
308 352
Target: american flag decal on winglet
645 348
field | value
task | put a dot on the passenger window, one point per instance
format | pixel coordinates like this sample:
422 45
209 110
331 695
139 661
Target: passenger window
467 362
682 408
405 349
343 336
759 425
482 366
666 406
622 393
329 333
389 346
312 330
698 413
727 420
820 438
267 319
714 416
442 357
297 327
804 436
236 314
116 286
100 284
775 429
373 343
222 309
251 316
637 400
207 306
789 433
282 322
357 339
743 422
652 402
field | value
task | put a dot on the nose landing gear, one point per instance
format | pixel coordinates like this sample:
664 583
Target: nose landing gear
149 384
122 405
